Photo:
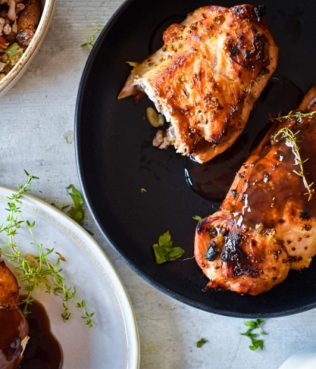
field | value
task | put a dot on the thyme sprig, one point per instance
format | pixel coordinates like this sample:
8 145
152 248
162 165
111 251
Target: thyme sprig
291 141
39 270
298 116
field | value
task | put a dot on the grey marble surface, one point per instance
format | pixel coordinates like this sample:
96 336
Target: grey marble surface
36 128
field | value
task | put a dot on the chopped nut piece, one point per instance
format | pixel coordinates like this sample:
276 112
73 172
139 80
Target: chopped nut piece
155 119
161 140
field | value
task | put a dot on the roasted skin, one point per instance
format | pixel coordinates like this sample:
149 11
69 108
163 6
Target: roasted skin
13 325
28 21
267 222
207 76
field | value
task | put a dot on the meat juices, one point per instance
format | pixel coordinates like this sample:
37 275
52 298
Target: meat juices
207 76
265 225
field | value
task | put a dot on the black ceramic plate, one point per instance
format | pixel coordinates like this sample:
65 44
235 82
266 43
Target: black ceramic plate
116 158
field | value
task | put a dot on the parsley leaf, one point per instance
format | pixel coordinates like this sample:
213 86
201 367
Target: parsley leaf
256 341
92 37
76 211
197 218
165 250
201 342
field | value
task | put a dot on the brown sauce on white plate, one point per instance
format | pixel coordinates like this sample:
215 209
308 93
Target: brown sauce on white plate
43 350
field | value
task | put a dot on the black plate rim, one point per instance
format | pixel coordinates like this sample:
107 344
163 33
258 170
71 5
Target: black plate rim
88 201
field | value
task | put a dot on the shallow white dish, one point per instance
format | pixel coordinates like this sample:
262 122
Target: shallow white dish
304 359
113 342
16 73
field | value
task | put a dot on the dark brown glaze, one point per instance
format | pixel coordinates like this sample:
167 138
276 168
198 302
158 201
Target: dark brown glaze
266 224
213 179
43 350
268 181
13 328
13 325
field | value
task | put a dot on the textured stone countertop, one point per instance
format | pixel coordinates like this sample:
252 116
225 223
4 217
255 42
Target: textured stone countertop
36 129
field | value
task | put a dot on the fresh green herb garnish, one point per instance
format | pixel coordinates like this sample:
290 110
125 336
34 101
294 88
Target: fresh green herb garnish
298 116
291 141
14 52
197 218
201 342
92 37
76 211
41 270
255 337
165 250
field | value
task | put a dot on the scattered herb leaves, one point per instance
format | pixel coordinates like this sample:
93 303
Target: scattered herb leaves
291 141
92 37
201 342
39 270
255 333
76 211
197 218
165 251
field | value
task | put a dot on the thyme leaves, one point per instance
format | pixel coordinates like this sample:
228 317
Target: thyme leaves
39 270
298 116
291 141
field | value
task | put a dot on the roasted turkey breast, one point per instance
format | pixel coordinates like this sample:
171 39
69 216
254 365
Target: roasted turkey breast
267 222
207 76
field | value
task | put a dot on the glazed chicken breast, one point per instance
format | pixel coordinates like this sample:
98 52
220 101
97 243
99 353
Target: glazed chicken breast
267 222
13 325
207 76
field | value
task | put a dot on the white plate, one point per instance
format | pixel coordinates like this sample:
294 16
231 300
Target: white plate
113 342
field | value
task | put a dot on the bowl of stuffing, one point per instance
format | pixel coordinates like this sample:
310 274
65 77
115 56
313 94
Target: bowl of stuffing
23 26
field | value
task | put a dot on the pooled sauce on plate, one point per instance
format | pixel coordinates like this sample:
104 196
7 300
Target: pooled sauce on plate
12 326
212 180
43 350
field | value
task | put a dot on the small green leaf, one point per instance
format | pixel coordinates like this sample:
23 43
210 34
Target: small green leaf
175 253
253 332
165 239
92 37
76 212
201 342
165 251
251 324
160 254
197 218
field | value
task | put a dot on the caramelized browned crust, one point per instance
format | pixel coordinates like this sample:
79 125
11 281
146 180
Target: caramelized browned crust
9 289
14 328
267 223
28 21
207 76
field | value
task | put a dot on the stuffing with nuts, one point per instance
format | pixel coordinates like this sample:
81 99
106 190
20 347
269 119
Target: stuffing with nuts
18 23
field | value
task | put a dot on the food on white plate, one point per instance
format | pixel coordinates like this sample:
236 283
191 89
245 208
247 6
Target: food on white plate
18 23
267 222
207 76
40 270
14 327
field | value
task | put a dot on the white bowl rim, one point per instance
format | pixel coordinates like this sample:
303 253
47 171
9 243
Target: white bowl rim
16 72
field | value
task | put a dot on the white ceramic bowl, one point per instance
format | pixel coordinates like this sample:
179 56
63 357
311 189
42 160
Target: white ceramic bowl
15 73
304 359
